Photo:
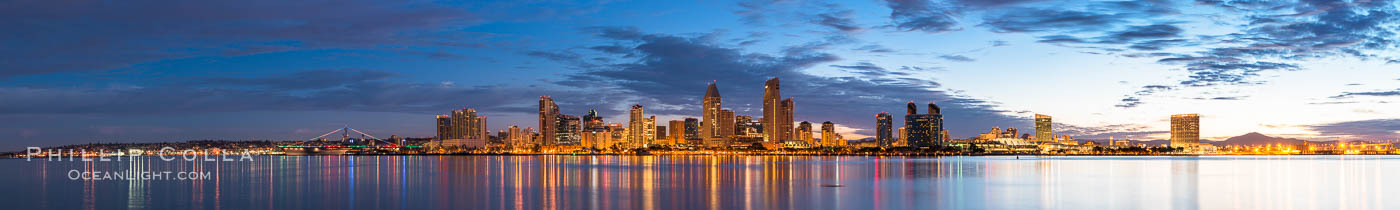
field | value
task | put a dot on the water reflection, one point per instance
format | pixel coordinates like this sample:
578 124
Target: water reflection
718 182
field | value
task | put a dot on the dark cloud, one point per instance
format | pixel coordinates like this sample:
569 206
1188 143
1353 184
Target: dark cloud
869 69
1222 98
1129 102
839 20
922 15
958 58
356 90
1149 37
1377 129
67 36
1040 20
875 48
1368 93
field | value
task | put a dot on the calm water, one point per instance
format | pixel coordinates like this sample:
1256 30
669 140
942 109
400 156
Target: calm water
720 182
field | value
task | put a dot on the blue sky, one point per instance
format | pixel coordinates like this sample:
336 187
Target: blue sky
99 71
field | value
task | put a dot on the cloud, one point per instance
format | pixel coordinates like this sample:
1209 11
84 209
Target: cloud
341 90
1367 93
922 15
839 20
1376 129
869 69
72 36
957 58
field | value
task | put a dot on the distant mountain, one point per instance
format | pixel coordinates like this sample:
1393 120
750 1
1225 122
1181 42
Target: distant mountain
1255 138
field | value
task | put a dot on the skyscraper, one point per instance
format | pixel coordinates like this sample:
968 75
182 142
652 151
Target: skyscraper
692 131
777 113
635 133
444 127
709 120
828 134
677 132
593 122
804 133
726 123
648 130
1042 128
1186 130
923 130
514 137
884 129
568 130
548 115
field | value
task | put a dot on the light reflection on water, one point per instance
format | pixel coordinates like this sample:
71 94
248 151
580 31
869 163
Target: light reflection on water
717 182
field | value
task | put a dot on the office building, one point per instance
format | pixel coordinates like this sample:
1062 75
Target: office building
548 114
1042 128
884 130
1186 130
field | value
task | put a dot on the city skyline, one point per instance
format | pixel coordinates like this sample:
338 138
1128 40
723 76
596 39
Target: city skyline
1308 70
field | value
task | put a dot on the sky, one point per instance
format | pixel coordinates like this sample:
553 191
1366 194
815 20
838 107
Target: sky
148 71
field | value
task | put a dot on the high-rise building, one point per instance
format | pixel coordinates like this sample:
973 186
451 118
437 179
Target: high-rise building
568 130
1186 130
635 122
514 137
804 133
884 129
661 133
785 122
745 126
548 114
692 131
777 113
903 139
726 123
828 134
924 130
709 119
593 122
444 127
649 131
677 132
1042 128
465 124
1010 133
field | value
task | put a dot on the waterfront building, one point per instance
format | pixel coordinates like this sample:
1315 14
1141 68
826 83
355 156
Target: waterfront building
903 140
804 133
709 118
593 122
1042 128
692 131
567 130
828 134
924 130
649 131
777 113
444 127
677 132
884 130
548 114
1185 130
635 122
727 123
513 136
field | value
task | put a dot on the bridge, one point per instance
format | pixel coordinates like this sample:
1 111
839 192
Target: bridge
365 141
